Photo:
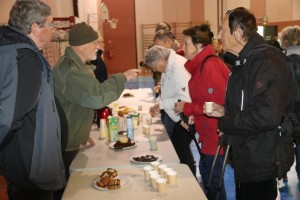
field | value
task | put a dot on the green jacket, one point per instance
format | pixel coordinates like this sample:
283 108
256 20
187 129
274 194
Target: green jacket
79 93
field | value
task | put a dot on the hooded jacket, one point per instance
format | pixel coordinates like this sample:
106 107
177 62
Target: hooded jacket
259 92
209 85
79 93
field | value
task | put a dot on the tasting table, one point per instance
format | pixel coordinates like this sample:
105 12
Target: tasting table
81 186
102 156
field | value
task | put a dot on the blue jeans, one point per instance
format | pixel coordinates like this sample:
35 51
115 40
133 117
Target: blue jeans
167 122
297 156
205 165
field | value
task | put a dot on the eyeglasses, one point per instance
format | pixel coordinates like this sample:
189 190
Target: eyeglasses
51 25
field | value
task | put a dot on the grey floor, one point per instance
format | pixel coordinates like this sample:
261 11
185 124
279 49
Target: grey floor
291 190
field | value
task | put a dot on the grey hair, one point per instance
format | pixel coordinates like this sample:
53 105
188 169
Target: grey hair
24 13
155 53
290 36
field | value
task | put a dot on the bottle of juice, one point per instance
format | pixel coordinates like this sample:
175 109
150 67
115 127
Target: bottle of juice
103 130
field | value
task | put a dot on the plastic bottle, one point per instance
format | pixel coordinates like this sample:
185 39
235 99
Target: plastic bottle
130 128
103 130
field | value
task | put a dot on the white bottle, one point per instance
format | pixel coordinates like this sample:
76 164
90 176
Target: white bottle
130 128
103 130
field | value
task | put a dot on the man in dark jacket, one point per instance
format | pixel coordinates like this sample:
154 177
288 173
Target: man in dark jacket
259 93
30 158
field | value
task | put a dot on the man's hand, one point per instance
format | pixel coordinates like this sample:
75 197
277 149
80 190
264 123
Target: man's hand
218 111
89 143
131 74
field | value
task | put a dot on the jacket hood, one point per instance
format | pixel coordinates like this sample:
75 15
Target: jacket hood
10 35
253 41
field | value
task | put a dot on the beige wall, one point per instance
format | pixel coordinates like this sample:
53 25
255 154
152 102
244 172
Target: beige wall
60 8
153 11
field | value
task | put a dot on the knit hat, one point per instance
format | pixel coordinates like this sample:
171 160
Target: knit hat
82 33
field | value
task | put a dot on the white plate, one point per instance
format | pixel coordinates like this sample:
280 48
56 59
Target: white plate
111 145
125 181
159 158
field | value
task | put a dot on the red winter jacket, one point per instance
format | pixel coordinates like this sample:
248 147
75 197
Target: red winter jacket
209 85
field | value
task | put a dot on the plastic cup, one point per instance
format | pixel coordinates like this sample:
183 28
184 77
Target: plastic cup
153 142
149 120
140 107
146 129
209 107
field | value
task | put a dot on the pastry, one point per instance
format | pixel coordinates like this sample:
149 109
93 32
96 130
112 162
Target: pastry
123 139
112 172
114 184
124 111
103 182
120 145
107 179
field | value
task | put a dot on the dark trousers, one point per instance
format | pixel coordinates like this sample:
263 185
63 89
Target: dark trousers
20 193
181 142
205 165
68 157
263 190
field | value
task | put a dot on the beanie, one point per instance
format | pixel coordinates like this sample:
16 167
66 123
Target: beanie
82 33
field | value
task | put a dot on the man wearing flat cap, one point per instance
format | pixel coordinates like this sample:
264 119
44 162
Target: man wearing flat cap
77 89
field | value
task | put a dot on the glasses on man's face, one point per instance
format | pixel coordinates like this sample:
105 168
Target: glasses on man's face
51 25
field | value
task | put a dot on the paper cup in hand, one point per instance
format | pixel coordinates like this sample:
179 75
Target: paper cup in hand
209 107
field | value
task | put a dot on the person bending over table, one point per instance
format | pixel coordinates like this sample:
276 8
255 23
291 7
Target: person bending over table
174 86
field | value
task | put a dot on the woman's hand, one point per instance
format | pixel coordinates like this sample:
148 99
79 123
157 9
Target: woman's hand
178 108
154 110
190 122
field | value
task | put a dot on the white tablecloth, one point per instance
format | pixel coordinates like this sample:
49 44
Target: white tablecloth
80 186
102 156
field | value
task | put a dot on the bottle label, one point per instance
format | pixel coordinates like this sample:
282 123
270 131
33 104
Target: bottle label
113 128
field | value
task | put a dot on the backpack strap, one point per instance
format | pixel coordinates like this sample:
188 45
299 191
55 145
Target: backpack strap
206 58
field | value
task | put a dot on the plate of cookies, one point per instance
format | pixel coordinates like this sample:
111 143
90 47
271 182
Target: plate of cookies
109 180
145 158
